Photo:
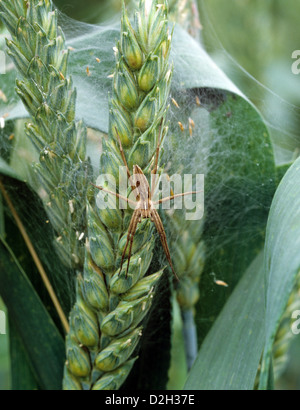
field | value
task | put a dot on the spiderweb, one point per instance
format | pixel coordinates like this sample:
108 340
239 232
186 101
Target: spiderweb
220 135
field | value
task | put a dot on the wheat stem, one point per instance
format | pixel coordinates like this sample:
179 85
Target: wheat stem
189 264
190 337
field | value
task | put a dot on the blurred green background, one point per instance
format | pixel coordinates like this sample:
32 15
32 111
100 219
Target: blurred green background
254 35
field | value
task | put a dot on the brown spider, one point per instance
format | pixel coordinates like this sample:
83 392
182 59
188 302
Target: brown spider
144 206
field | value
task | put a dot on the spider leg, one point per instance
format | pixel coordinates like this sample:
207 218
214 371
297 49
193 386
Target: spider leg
133 187
175 196
115 194
160 229
122 153
131 232
154 171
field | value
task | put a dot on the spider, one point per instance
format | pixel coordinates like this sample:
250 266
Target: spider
144 207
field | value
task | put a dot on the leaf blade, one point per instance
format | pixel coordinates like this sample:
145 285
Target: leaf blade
22 377
282 258
41 338
232 363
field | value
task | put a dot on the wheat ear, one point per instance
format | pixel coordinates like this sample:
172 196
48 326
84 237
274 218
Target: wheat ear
189 249
285 336
39 52
107 317
186 13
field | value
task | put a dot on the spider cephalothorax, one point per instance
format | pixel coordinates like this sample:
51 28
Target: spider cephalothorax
144 207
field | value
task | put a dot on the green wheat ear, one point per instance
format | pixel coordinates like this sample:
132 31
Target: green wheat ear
189 263
39 52
186 13
106 319
284 334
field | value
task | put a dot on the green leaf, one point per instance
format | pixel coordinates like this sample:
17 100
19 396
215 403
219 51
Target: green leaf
6 140
282 170
10 105
5 169
230 355
31 211
194 68
240 184
282 257
93 11
22 374
42 341
29 294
